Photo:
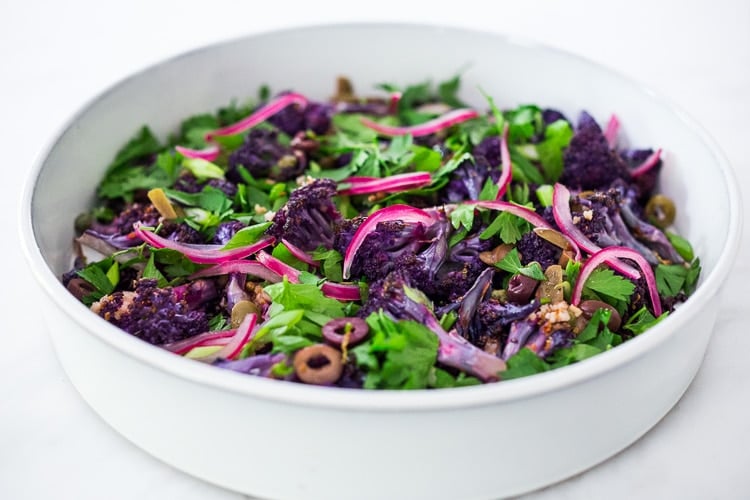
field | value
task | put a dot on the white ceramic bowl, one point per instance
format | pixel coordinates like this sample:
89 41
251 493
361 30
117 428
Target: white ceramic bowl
283 440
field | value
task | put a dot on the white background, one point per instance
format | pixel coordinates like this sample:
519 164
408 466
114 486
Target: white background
56 55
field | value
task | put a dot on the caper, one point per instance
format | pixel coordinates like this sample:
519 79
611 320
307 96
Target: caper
660 211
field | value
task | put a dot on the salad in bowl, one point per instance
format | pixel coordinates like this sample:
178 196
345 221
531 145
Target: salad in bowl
398 241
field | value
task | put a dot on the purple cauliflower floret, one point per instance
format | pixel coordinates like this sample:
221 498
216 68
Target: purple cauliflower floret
416 250
226 231
381 248
552 115
520 332
292 119
389 295
225 186
181 232
544 344
587 122
158 315
119 233
344 231
187 183
308 219
492 317
611 219
461 269
263 156
588 161
489 149
469 178
145 213
598 217
533 248
646 183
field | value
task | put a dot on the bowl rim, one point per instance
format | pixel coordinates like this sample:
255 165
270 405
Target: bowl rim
382 400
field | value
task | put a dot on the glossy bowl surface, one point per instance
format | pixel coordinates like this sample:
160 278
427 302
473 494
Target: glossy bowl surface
281 440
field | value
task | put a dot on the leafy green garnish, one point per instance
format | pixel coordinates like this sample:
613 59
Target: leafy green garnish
510 228
683 246
398 354
642 320
524 363
544 194
604 281
594 339
489 190
247 235
512 263
303 296
217 323
448 90
103 276
331 263
141 145
203 169
672 279
123 180
150 271
463 216
557 136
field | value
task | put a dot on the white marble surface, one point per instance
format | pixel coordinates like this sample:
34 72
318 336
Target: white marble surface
55 55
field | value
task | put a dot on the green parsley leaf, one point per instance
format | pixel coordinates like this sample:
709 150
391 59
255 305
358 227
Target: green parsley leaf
203 169
510 228
523 169
452 164
525 122
150 271
524 363
512 263
143 144
303 296
193 130
598 320
489 190
642 320
682 246
557 136
217 323
462 216
604 281
98 275
425 159
398 355
441 379
572 354
544 194
691 278
448 90
247 235
670 279
331 263
282 369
